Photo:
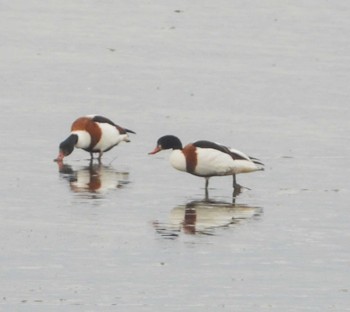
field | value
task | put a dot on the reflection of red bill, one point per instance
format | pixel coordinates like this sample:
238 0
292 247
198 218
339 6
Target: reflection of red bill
59 161
155 151
59 157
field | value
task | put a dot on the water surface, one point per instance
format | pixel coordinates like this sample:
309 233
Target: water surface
133 234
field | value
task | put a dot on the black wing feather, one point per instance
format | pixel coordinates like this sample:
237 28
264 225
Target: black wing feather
102 119
221 148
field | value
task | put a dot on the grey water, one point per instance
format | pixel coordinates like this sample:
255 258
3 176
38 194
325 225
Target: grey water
133 234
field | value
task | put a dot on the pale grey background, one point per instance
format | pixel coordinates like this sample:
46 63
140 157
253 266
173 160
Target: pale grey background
268 77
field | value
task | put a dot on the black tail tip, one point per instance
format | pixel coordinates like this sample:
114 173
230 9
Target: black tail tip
130 131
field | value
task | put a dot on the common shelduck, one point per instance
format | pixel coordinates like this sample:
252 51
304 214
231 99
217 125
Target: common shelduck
207 159
94 134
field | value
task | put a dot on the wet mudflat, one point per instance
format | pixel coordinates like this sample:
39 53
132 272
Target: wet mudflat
133 234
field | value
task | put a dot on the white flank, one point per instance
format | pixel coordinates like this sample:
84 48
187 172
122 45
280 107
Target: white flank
110 137
211 162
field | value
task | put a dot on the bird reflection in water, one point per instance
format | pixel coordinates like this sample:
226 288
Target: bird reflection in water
94 180
204 217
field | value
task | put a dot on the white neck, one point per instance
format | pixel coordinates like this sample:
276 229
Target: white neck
177 160
84 139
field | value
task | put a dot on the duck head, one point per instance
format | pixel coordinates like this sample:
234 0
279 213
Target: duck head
67 146
167 142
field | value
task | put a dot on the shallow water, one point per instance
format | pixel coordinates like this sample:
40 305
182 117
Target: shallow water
133 234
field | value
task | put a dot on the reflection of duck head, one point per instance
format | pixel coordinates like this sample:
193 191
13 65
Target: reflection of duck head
95 178
205 216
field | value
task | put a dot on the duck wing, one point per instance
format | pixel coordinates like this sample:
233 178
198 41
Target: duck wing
102 119
234 153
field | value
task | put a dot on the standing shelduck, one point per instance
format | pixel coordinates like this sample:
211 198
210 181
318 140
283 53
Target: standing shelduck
207 159
94 134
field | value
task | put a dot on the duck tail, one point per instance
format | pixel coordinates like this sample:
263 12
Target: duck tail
258 162
130 131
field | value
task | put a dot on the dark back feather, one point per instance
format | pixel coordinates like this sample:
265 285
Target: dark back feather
221 148
102 119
